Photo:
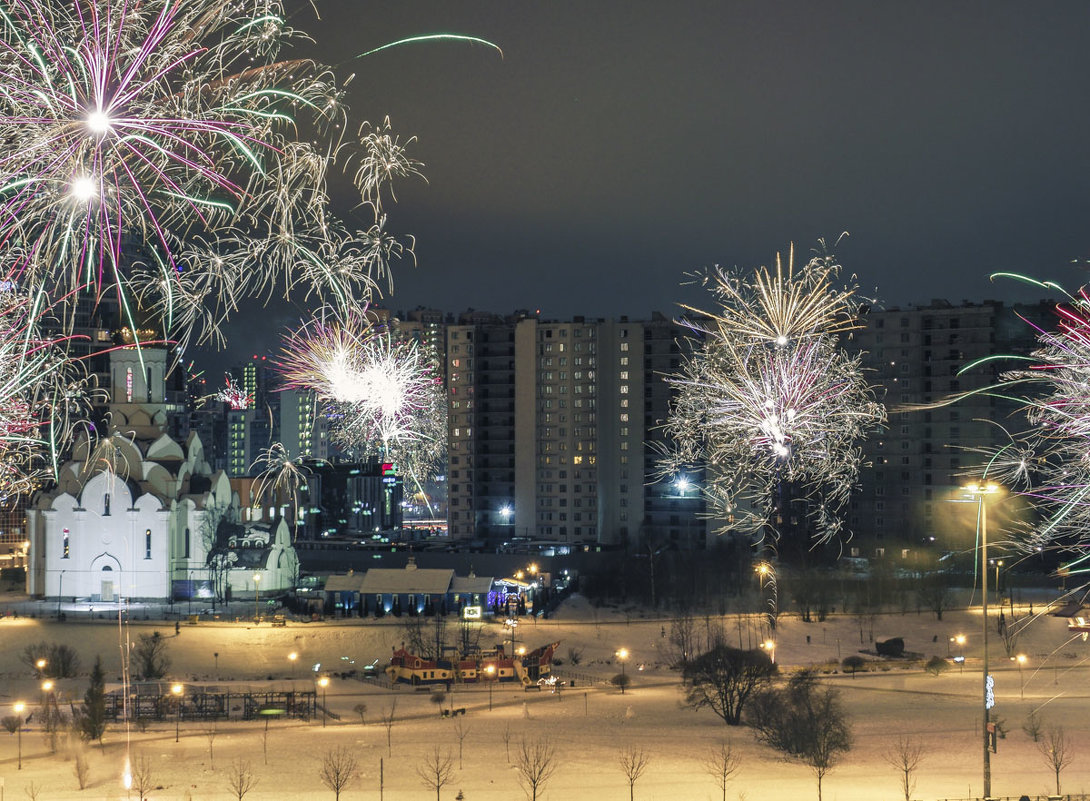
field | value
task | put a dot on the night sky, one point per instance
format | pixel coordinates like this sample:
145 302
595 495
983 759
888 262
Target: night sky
618 144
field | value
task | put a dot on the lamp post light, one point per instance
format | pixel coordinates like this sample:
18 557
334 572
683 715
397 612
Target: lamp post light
491 671
622 655
40 665
980 492
1021 660
323 682
292 657
960 640
20 708
177 690
770 647
257 580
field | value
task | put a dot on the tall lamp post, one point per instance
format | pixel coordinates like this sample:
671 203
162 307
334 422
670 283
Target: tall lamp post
980 492
323 682
291 658
176 690
20 708
491 671
622 655
1021 660
257 580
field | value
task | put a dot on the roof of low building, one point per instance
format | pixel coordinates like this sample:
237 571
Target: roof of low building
352 582
410 579
472 583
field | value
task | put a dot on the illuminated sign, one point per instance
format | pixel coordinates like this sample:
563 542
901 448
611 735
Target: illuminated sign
472 613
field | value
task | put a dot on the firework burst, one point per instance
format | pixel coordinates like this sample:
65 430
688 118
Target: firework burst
236 397
769 399
383 395
43 393
1049 463
169 152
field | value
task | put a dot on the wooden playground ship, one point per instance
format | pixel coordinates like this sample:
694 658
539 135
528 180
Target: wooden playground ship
480 666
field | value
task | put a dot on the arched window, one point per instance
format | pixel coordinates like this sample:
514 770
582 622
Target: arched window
106 504
147 544
186 543
128 385
64 552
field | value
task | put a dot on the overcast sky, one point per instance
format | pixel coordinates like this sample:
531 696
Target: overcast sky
618 144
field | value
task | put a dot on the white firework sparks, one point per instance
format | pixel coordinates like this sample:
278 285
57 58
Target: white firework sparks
383 395
169 153
770 399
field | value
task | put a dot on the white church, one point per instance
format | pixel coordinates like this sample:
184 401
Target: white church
136 516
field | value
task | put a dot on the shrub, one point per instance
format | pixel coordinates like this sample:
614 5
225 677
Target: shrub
936 665
853 664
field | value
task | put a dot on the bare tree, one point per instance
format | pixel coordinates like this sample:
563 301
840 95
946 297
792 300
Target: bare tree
905 755
633 763
934 593
241 779
32 791
724 678
387 718
1033 726
1056 751
338 769
437 698
265 741
535 762
507 741
460 731
804 722
210 728
437 770
721 764
82 769
361 710
149 658
55 723
143 777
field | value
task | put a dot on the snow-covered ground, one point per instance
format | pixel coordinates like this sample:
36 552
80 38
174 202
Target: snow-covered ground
588 723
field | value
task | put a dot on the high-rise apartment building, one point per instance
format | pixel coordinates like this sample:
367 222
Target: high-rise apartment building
549 431
917 356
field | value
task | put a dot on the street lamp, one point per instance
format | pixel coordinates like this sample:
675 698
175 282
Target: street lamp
491 671
323 682
770 646
257 579
40 664
622 655
291 658
960 640
20 708
980 492
1021 660
177 690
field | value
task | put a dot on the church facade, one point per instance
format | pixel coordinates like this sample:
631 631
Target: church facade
136 515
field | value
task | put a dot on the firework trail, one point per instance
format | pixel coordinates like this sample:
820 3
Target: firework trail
769 398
